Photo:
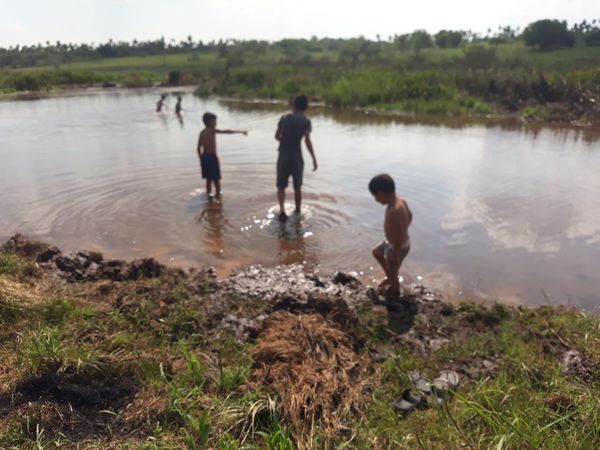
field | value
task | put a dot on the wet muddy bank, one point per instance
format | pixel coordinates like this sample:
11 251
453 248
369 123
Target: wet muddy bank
420 317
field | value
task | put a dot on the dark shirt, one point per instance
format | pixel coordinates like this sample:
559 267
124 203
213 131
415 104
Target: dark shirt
293 128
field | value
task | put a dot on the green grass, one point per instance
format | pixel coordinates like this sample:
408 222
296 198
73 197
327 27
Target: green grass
577 58
40 350
155 63
10 265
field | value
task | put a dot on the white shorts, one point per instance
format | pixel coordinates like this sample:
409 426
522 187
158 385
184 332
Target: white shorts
385 247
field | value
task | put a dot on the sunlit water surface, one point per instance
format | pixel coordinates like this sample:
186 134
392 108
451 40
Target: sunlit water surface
499 211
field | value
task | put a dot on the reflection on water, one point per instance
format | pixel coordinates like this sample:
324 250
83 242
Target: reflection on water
501 209
214 222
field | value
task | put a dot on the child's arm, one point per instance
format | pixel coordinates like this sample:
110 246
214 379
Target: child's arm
245 133
310 148
279 133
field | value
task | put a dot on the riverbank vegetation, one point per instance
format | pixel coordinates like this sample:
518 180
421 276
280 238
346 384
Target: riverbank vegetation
108 354
547 71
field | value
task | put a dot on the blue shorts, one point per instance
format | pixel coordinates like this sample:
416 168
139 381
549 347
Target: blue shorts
211 169
290 166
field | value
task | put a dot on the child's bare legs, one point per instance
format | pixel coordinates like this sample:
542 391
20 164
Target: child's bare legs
281 199
208 187
218 187
391 273
380 257
298 199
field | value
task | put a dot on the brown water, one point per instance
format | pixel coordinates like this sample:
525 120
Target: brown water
499 211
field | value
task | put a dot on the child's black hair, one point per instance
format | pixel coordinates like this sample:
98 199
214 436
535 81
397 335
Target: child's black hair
208 117
301 103
382 183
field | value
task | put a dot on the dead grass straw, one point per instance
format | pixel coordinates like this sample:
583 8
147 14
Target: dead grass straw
313 367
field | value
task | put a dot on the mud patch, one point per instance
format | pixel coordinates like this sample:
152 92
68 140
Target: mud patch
81 266
315 368
22 246
74 404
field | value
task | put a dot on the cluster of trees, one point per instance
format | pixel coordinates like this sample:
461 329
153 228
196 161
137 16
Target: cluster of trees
543 34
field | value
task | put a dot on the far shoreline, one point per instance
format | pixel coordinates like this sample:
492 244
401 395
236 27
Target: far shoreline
513 120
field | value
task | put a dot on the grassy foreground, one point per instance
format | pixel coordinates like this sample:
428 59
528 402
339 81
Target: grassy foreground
103 354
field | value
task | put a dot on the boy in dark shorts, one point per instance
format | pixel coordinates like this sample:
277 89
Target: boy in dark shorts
390 253
207 152
292 128
161 102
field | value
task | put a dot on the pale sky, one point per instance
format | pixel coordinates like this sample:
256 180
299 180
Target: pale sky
30 22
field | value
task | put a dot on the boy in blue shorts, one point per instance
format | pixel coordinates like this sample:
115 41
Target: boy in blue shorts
207 152
291 130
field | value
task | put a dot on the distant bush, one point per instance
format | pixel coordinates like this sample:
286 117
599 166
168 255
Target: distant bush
480 57
449 39
592 38
420 39
46 79
368 87
548 34
250 78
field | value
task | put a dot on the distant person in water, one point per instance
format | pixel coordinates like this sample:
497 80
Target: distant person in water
161 102
391 253
292 128
178 107
207 151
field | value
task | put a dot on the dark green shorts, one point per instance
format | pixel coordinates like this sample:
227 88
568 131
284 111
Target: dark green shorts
289 166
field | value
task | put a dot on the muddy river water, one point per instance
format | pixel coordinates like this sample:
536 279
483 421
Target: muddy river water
501 212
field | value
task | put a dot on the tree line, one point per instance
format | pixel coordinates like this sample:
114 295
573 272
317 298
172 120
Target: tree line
543 35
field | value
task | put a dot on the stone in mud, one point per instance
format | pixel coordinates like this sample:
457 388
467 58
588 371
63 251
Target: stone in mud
72 269
146 268
477 367
575 364
202 281
345 279
48 254
245 329
95 257
436 344
127 303
114 270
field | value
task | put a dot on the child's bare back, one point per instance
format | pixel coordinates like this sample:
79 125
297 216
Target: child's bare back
207 143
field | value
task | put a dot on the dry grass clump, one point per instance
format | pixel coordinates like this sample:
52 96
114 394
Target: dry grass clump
19 294
315 369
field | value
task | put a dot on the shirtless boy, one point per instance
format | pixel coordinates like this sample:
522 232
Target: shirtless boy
391 253
207 151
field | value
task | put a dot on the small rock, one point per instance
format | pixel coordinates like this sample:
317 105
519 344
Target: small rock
345 279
